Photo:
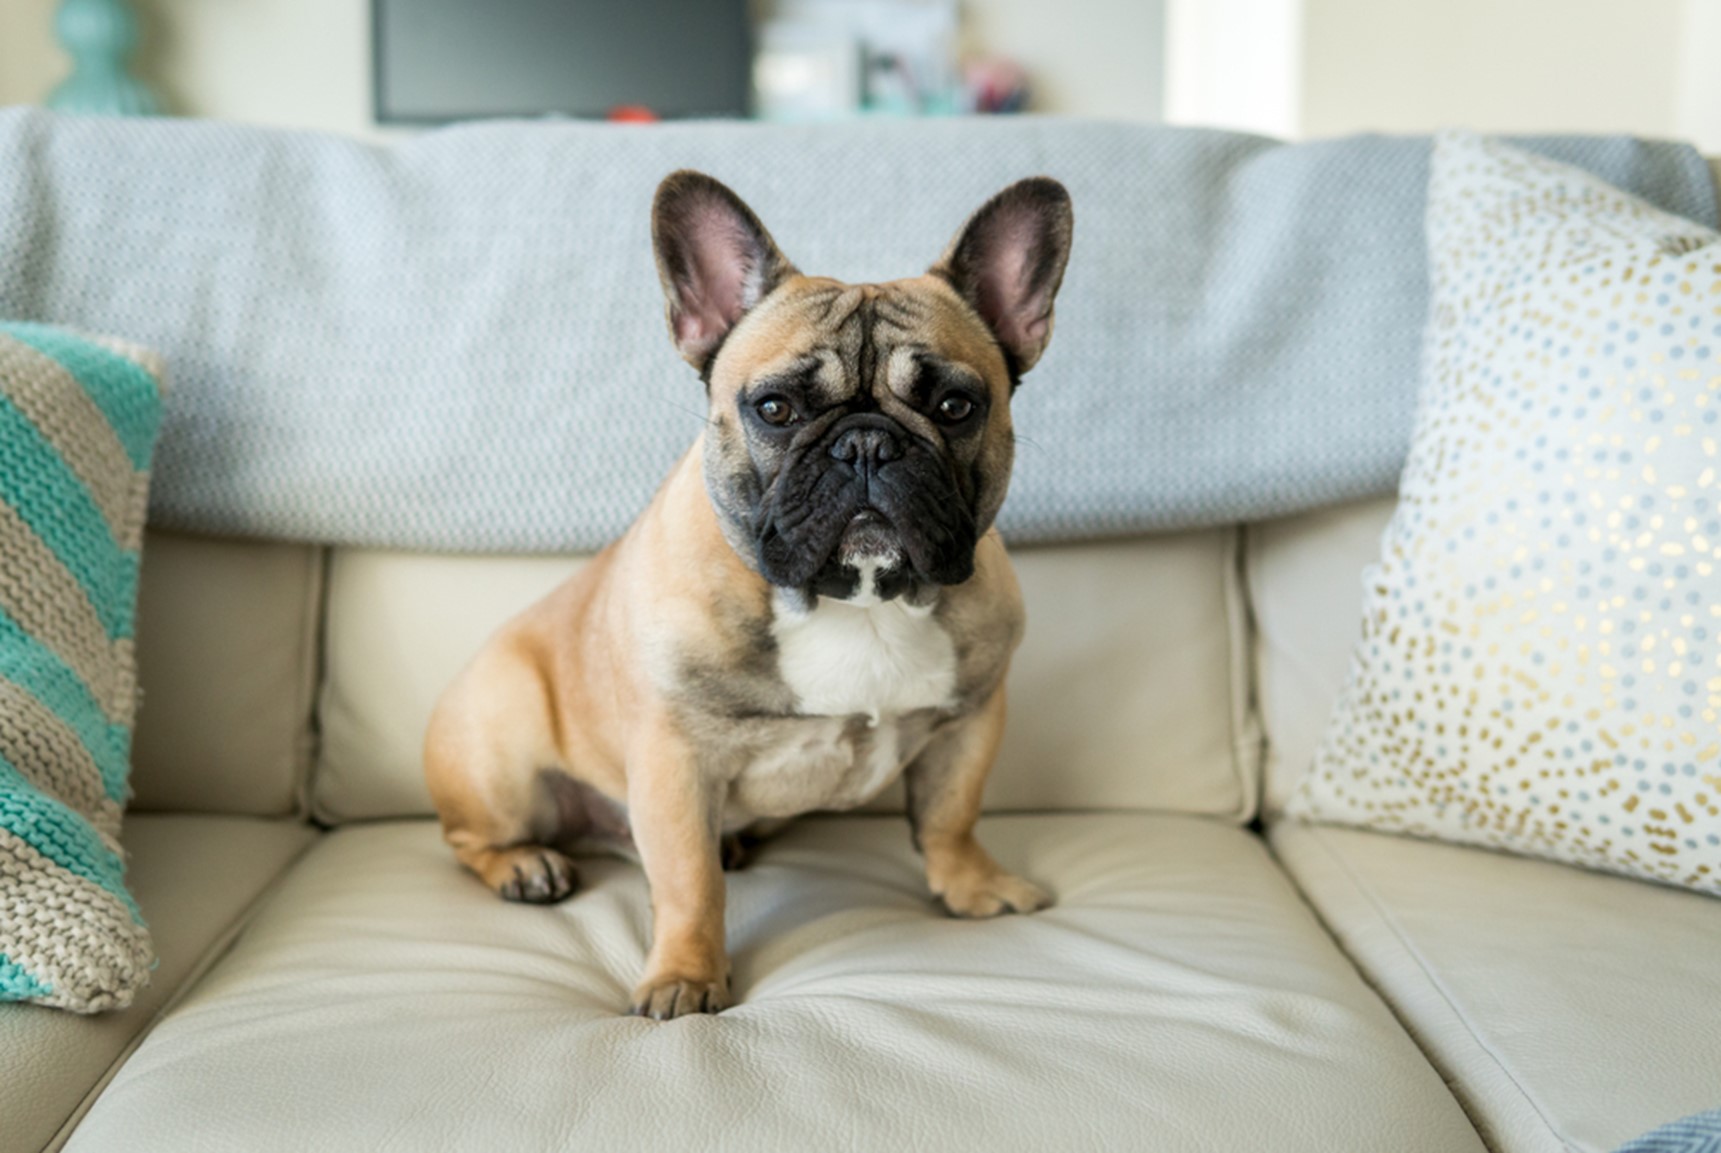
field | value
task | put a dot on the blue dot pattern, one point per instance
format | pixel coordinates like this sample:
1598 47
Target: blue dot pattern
1540 665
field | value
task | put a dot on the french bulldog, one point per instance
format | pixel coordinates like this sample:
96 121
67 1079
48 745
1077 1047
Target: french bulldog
815 602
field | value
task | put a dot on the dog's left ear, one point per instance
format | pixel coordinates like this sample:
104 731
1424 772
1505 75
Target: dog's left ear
1008 261
715 259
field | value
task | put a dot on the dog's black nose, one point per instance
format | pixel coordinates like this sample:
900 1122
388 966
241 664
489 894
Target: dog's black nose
866 446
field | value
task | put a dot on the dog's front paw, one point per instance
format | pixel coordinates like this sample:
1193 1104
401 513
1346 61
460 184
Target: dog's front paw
668 998
992 894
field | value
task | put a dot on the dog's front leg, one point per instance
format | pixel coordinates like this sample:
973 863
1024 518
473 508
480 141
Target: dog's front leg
675 816
944 787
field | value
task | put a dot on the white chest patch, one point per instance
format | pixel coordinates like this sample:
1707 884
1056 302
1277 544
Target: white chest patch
879 658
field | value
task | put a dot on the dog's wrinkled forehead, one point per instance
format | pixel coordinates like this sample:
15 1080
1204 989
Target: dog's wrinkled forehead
732 296
827 343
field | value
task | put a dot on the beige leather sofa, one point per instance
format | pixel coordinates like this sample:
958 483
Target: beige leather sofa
330 980
1211 977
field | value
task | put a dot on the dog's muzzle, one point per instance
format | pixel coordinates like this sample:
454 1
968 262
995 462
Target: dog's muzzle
867 494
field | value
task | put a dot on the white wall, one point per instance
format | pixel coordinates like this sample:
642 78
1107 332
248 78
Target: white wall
1235 64
1697 115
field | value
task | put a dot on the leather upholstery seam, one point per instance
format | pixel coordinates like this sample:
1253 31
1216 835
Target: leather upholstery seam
307 737
1242 689
1318 836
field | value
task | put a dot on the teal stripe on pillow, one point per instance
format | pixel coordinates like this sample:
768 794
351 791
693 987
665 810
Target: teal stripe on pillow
16 983
61 511
78 420
123 389
30 665
60 835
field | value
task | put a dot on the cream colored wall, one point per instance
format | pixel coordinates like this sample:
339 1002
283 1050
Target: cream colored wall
1494 65
30 63
1288 67
296 63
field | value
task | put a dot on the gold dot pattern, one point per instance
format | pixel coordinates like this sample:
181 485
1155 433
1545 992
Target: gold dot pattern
1540 664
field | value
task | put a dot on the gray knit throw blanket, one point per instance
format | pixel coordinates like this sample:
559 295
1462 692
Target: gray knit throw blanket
457 342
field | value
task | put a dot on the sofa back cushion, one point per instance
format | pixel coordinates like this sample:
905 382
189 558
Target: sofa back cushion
1130 691
227 664
1305 589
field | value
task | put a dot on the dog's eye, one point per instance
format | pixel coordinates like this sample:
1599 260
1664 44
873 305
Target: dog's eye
955 408
775 410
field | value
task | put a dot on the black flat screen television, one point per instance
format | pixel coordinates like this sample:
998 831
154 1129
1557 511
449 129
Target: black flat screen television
441 60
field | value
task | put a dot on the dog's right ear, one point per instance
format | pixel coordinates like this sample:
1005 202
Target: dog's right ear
715 259
1008 261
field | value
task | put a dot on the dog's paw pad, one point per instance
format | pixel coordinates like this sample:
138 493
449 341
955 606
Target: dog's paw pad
668 999
535 876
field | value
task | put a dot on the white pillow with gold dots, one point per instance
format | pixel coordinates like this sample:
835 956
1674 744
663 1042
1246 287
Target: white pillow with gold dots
1540 665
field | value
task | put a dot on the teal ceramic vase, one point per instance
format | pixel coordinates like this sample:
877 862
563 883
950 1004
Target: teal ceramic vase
99 35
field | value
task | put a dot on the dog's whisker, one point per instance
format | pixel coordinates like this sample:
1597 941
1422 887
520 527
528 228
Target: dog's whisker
1030 442
703 416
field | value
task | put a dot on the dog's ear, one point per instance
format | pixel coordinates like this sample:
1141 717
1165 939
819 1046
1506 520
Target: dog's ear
1008 261
715 259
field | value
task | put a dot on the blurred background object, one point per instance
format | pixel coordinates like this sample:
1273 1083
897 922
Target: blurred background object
98 36
996 85
890 57
1292 68
443 60
806 71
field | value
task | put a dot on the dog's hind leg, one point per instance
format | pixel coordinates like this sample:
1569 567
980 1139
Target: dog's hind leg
487 742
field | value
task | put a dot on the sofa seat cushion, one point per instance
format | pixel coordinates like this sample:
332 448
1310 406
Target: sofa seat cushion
1569 1010
194 878
1179 995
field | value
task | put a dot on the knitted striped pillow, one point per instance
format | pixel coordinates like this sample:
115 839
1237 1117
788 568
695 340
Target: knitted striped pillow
78 419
